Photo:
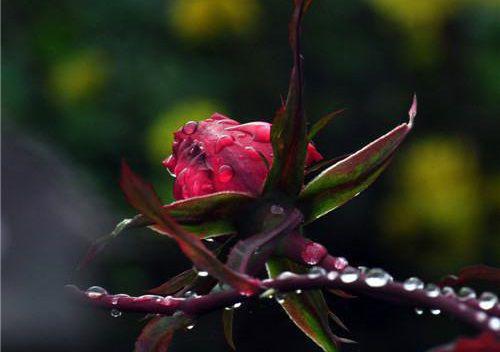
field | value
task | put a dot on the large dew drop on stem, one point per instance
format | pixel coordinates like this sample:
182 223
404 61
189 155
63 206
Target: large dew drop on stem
96 292
349 275
413 283
431 290
315 272
487 300
377 277
466 293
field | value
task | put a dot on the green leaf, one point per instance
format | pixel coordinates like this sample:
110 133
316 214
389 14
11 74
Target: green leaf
142 197
227 323
157 334
348 177
288 132
321 123
206 216
308 310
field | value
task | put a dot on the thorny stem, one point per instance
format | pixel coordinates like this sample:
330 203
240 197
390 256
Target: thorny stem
468 311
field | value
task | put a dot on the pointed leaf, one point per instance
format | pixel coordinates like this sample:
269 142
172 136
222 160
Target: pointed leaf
206 216
227 322
322 123
142 196
288 132
345 179
324 163
308 310
157 334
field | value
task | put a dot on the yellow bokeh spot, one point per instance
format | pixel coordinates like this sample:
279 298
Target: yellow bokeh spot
78 77
202 19
160 134
436 213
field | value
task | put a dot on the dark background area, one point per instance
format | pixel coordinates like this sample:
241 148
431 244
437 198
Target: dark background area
85 83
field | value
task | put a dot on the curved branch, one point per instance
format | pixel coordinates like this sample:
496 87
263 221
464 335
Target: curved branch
392 291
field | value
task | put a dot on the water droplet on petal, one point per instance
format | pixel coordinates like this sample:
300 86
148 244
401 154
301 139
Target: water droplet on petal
413 283
377 278
487 300
237 305
466 293
223 142
169 164
115 313
96 292
349 275
494 324
252 153
315 272
225 173
435 311
431 290
419 311
341 263
277 210
190 127
203 273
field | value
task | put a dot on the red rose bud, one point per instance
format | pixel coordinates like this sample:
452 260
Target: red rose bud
220 154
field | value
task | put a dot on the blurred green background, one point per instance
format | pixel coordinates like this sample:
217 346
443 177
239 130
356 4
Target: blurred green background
86 83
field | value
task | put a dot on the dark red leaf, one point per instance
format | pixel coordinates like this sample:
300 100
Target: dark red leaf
176 283
473 273
157 334
227 322
142 197
486 342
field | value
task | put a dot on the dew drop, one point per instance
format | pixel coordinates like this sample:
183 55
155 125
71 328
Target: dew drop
435 311
96 292
431 290
313 253
223 142
280 298
362 269
115 313
252 153
448 291
413 283
190 327
466 293
116 298
277 210
190 127
419 311
377 278
209 239
332 275
237 305
286 275
299 291
225 173
487 300
481 316
494 324
228 308
315 272
341 263
349 275
203 273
